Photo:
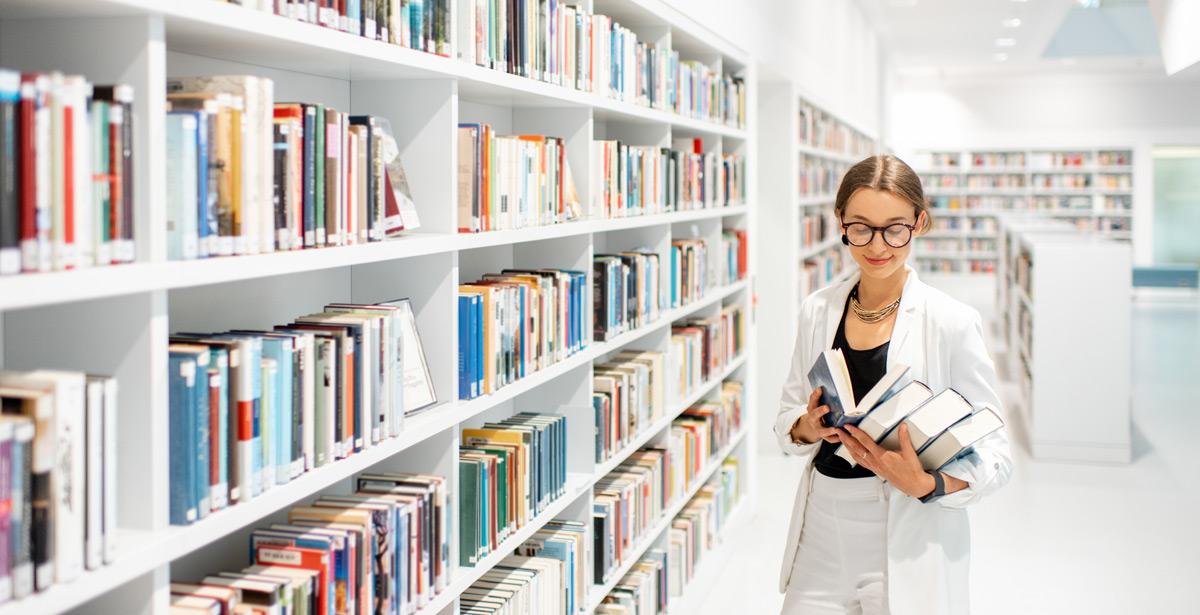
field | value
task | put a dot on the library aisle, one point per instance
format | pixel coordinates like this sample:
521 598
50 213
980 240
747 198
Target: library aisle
490 307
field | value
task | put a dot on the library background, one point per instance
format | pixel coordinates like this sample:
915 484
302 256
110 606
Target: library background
482 306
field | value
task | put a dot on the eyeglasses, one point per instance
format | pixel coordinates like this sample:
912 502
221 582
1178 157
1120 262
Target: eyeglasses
896 235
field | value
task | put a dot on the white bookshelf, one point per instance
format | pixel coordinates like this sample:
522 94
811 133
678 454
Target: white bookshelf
1025 174
1064 299
117 320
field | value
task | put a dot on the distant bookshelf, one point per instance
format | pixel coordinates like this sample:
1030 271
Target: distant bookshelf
1091 189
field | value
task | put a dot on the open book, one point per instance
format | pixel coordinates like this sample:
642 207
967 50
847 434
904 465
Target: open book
830 372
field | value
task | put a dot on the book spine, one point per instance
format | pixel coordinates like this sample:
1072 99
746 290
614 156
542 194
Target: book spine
69 484
6 512
22 510
280 183
200 416
182 427
101 186
94 468
109 490
10 194
216 442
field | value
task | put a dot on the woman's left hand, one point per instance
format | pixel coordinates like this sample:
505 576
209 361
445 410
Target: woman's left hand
900 468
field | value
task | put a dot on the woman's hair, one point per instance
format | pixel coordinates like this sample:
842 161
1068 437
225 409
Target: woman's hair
886 173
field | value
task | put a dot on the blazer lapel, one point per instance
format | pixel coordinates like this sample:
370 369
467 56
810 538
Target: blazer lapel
911 298
833 313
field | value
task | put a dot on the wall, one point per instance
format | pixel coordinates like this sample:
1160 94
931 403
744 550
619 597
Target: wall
1050 109
826 47
1176 23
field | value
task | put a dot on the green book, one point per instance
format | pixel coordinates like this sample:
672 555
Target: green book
468 509
502 518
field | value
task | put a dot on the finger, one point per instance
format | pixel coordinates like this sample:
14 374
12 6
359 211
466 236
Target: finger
906 445
818 412
834 439
814 398
866 441
856 449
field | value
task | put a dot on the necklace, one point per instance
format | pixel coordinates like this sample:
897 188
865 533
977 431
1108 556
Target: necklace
871 316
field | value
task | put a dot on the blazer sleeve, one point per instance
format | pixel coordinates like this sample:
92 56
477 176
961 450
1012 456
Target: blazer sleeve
973 374
796 389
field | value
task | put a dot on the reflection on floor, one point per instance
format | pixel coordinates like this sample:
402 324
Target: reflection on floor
1061 538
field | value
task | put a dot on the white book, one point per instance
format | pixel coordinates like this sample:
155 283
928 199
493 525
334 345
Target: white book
37 254
58 173
882 420
959 438
308 400
108 522
94 468
931 419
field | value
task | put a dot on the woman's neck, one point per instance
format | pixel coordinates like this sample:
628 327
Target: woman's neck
874 293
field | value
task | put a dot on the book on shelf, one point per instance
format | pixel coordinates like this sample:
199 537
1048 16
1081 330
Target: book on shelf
520 584
690 274
626 503
830 373
696 530
66 173
510 472
513 181
58 485
735 248
248 175
516 322
626 292
643 590
253 409
628 396
423 25
631 180
702 347
383 548
567 542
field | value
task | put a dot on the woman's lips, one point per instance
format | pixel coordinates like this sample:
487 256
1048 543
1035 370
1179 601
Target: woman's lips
878 261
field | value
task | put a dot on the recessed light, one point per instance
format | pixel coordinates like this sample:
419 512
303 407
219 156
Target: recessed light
1006 42
1014 22
1000 57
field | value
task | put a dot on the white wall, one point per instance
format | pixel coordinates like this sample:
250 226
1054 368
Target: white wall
1176 23
826 47
1050 110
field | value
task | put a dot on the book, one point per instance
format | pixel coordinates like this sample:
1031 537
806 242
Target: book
830 373
930 419
958 439
414 24
10 207
886 416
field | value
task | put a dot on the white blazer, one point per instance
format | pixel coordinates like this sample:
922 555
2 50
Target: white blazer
941 339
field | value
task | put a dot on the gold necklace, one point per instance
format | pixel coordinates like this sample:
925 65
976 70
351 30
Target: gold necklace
871 316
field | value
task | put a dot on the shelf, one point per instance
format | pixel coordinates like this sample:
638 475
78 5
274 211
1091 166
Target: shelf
37 289
1009 192
598 592
464 576
996 171
811 251
809 150
1060 191
817 199
709 567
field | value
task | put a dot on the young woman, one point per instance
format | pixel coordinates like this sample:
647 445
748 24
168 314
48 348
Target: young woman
883 536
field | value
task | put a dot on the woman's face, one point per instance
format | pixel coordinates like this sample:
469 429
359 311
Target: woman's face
879 209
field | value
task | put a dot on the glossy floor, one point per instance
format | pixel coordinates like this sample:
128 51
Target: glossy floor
1061 538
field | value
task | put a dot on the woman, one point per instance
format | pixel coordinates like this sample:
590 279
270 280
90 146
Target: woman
883 536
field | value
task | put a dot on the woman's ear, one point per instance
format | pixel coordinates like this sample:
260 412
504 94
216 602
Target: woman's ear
922 220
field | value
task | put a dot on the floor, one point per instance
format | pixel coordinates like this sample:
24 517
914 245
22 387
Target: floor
1060 538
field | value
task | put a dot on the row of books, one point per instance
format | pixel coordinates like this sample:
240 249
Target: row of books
1060 181
661 575
996 182
627 292
514 323
253 409
569 543
628 395
521 584
702 430
1114 181
247 175
820 129
817 227
702 347
819 270
626 503
735 254
423 25
382 549
1122 202
692 271
512 181
819 176
510 472
58 478
568 46
633 180
983 160
66 173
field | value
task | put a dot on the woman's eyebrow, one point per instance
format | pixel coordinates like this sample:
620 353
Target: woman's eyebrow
889 220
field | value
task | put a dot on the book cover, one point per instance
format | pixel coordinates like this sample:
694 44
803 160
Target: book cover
182 438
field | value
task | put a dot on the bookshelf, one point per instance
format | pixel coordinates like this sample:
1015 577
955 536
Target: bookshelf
1049 273
1090 188
117 319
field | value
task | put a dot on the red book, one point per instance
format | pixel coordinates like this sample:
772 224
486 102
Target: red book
297 557
69 184
214 441
27 169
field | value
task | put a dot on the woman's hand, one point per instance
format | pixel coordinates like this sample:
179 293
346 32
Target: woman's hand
900 468
808 428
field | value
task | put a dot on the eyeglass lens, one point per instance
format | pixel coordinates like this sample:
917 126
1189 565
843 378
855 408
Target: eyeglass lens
895 235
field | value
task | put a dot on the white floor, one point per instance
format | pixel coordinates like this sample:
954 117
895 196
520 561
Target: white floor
1061 538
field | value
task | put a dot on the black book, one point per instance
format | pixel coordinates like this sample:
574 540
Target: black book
10 208
279 175
600 301
310 175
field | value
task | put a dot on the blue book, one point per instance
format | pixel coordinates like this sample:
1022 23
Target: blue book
521 329
181 375
201 417
280 350
207 194
830 373
475 322
464 342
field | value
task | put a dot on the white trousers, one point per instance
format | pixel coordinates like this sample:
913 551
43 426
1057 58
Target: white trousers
840 566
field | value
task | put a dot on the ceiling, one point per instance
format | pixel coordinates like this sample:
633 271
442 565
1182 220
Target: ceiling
920 36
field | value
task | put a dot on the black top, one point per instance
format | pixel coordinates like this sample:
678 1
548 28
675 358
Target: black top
866 368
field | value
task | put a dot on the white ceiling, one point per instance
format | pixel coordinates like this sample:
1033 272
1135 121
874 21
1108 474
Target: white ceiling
955 36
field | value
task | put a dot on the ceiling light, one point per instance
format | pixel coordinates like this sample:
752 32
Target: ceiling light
1006 42
1013 22
1000 57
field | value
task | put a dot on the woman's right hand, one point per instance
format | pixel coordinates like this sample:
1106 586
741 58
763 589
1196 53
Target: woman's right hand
808 428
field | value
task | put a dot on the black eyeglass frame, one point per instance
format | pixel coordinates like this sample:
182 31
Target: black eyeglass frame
881 230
